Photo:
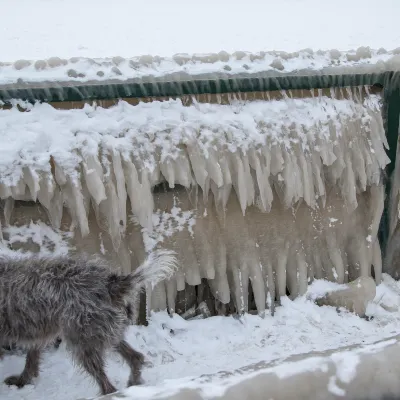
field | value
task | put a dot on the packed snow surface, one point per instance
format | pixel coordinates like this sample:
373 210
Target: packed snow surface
177 349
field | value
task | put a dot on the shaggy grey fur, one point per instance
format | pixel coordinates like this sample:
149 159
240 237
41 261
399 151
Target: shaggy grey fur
82 301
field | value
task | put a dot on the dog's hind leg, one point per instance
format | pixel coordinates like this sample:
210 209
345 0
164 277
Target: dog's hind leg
91 358
135 361
30 371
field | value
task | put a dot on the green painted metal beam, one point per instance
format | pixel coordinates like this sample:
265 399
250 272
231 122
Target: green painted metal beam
162 87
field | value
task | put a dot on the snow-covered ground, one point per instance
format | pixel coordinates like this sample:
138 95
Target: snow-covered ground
35 29
178 349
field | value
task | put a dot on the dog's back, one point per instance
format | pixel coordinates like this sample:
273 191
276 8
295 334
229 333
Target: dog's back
41 296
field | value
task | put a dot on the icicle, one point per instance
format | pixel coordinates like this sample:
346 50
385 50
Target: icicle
203 252
47 188
277 161
192 270
154 175
219 284
61 178
226 189
292 273
250 192
317 174
86 199
18 191
121 190
377 204
289 178
262 180
55 209
199 166
76 204
338 166
31 178
146 198
317 266
308 186
239 182
5 191
281 264
378 146
357 249
111 210
167 169
271 288
326 151
171 290
159 297
8 209
214 169
180 280
182 170
377 262
93 173
302 269
335 256
359 163
259 281
238 286
140 196
349 185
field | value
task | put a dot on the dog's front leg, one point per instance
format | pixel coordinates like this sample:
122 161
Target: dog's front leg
30 371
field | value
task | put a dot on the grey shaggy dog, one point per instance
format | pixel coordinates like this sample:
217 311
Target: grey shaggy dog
82 301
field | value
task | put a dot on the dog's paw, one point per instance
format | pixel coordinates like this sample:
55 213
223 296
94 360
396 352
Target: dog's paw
16 380
135 381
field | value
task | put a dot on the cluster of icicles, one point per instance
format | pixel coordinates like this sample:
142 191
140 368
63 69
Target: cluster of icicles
307 199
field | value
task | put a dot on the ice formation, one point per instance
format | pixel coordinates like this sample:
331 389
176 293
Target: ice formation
259 197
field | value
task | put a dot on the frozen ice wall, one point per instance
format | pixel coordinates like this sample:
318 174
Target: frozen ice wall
257 198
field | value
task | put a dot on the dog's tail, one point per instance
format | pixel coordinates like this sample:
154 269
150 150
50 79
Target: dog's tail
159 265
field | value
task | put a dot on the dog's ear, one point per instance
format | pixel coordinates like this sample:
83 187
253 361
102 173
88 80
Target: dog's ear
119 286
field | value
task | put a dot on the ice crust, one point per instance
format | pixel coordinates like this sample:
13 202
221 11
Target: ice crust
193 66
306 177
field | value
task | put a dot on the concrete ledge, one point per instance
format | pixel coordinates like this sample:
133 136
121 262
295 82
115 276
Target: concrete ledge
356 372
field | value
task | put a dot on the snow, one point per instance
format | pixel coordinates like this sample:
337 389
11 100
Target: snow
148 128
178 351
42 29
39 234
185 67
136 38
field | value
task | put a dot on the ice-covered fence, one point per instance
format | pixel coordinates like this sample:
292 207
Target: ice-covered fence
262 196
